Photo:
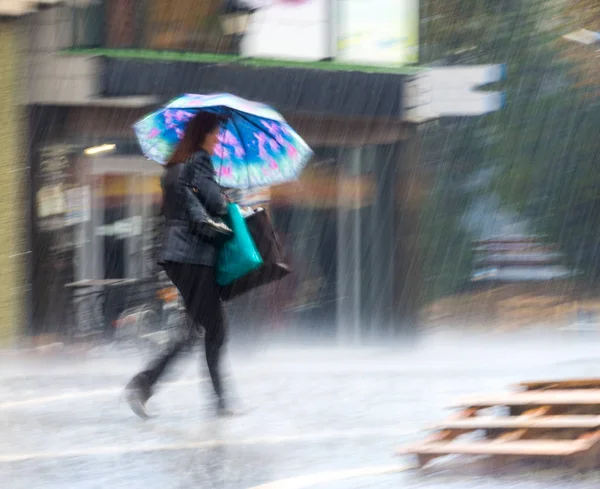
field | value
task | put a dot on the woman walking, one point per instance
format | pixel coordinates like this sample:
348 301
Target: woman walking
188 258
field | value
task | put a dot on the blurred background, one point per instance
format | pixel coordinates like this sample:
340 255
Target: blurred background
453 183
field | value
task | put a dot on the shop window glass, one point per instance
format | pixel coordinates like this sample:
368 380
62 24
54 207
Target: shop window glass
125 238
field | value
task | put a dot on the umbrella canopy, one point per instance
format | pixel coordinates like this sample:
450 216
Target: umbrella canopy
257 147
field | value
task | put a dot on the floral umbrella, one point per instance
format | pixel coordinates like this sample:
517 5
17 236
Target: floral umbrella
257 147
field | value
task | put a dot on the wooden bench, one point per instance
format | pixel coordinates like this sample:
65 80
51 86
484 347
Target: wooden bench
584 422
572 397
531 448
546 421
561 384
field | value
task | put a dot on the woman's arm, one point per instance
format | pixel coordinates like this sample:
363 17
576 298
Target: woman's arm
202 178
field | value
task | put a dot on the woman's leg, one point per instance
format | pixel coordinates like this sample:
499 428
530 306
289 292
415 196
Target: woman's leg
214 339
206 310
140 388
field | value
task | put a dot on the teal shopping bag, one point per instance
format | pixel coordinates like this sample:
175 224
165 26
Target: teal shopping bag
238 256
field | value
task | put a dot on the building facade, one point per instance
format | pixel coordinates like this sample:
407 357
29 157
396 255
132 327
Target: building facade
349 225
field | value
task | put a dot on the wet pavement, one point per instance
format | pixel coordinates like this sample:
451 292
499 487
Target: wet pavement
318 417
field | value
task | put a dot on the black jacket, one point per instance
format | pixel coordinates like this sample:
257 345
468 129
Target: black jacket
179 244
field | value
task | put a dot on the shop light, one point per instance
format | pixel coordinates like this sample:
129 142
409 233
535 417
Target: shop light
103 148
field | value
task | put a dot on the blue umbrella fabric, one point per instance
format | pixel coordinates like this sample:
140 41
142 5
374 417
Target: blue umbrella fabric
257 147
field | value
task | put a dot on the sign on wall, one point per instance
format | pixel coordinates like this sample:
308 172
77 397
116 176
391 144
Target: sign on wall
383 32
452 92
15 8
53 178
78 209
289 29
371 32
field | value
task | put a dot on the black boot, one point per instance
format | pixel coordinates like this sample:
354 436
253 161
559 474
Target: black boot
224 410
137 393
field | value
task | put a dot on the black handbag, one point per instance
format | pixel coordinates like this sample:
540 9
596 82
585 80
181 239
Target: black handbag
214 230
273 268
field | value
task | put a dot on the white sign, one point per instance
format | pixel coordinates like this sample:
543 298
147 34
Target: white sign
78 205
126 228
383 32
17 8
452 91
51 201
290 29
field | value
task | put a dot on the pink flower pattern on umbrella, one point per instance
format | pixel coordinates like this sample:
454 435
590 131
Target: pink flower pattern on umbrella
272 127
239 151
225 171
262 141
275 145
227 137
221 151
293 152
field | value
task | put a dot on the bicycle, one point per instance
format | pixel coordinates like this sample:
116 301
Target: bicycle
136 326
154 323
86 314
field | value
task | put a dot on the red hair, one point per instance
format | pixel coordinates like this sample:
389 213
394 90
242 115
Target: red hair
195 134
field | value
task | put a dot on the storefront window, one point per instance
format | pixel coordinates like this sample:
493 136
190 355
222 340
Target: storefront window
114 233
122 240
305 216
310 235
334 200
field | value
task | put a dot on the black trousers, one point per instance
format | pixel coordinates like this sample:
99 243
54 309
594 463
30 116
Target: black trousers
198 286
